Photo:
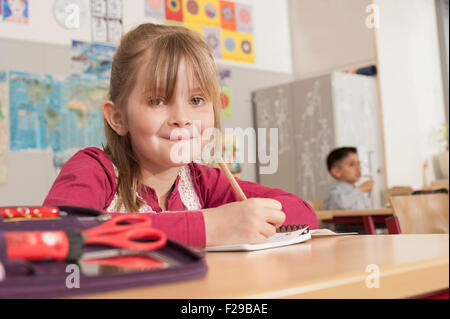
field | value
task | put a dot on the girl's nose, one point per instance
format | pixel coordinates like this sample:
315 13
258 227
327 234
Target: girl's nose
179 117
180 122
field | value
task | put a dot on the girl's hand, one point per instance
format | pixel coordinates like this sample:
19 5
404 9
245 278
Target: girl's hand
247 222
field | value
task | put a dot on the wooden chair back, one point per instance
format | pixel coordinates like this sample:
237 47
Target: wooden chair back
316 204
422 214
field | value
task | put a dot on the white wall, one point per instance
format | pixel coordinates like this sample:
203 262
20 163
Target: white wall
329 35
411 87
271 30
43 46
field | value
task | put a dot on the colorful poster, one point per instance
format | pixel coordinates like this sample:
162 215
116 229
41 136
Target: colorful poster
57 114
155 9
4 131
213 38
229 155
15 11
226 26
174 10
245 48
81 119
34 103
175 23
230 45
244 18
227 15
195 27
225 98
92 59
192 13
211 14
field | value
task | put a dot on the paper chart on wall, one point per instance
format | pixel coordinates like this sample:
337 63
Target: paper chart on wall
225 25
192 12
15 11
106 21
92 59
226 100
210 12
174 10
244 18
4 123
46 112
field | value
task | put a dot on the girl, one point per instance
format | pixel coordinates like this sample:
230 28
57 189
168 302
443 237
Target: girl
163 81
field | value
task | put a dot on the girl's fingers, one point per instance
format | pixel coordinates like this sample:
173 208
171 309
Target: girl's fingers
267 202
260 238
267 230
274 217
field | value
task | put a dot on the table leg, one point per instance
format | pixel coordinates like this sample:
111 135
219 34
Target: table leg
393 225
369 225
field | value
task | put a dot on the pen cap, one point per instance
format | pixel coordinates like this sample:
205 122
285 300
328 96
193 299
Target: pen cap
37 245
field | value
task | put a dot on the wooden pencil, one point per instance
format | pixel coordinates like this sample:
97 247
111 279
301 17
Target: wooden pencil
232 180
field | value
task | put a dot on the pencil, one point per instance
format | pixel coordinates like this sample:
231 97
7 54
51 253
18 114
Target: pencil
237 189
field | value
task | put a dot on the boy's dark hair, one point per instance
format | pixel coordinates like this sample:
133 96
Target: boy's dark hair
338 155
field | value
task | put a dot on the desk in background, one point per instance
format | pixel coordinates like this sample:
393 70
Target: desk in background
368 217
328 267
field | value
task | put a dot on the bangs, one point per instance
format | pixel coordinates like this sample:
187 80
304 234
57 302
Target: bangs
160 73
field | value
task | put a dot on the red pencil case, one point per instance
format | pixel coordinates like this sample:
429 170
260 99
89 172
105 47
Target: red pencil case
48 279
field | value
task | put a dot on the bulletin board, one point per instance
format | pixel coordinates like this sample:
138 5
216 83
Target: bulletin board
226 26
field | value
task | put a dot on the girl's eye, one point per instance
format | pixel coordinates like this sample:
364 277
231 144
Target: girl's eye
197 100
155 102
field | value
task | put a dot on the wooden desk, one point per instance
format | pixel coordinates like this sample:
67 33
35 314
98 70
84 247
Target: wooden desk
328 214
328 267
368 217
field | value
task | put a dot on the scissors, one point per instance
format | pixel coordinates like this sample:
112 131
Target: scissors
130 231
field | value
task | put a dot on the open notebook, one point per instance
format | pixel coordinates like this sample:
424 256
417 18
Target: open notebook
280 239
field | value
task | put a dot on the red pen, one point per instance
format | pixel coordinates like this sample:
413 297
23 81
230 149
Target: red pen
29 212
18 213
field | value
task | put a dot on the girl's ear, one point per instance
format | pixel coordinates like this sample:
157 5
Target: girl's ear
114 118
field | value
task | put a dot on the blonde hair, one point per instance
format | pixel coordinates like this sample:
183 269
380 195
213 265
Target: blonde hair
156 51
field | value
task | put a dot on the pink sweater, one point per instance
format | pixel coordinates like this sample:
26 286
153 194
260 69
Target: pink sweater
88 180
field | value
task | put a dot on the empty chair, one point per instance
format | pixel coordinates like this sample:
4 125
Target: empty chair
422 214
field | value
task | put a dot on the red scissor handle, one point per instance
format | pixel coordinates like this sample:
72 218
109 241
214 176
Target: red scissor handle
119 224
134 239
131 231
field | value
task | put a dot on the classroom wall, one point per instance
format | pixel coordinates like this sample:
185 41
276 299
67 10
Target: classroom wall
271 30
328 36
31 173
411 87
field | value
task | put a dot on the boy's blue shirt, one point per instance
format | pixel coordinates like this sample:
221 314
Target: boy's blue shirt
344 196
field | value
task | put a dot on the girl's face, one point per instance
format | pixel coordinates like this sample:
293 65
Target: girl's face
159 129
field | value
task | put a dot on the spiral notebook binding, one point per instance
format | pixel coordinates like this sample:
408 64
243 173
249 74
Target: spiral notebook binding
293 227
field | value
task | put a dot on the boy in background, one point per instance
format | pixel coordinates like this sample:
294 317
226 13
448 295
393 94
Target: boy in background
343 164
